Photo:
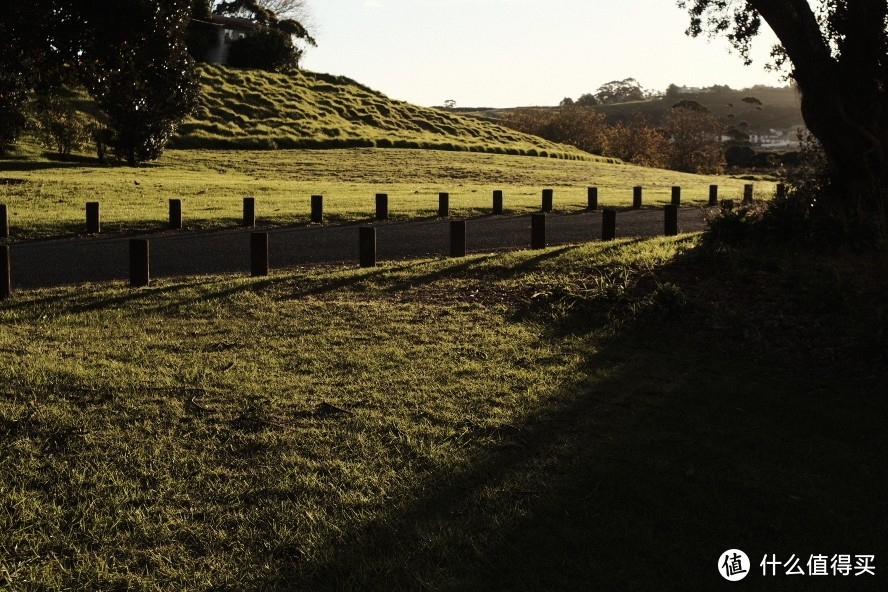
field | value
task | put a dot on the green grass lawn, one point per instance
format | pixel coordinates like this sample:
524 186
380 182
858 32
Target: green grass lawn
47 198
596 417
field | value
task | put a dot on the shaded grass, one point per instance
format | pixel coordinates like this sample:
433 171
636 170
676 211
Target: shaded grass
47 198
585 417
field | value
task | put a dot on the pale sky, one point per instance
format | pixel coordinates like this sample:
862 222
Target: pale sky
508 53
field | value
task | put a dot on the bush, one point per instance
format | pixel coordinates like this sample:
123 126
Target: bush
60 125
266 49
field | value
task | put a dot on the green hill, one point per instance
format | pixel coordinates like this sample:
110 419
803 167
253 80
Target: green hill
247 109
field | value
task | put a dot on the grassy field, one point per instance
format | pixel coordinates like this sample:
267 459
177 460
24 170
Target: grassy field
596 417
47 198
251 109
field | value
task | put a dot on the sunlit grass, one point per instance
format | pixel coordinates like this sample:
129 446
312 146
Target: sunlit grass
47 198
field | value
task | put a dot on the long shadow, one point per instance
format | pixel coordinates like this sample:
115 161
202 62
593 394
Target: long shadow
641 475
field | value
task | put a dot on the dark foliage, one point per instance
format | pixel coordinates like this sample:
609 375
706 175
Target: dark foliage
837 53
267 49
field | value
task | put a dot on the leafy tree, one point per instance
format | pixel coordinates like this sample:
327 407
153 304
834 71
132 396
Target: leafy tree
282 21
837 53
620 91
587 100
136 66
694 139
59 124
266 49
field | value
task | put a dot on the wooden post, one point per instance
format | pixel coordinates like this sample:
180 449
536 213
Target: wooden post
5 273
713 195
458 238
382 206
608 225
497 202
548 198
140 274
258 254
537 231
592 198
176 214
636 197
671 220
443 204
4 221
780 192
676 195
249 212
367 246
93 219
317 209
747 193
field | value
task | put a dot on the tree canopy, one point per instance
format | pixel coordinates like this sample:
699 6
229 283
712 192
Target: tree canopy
837 53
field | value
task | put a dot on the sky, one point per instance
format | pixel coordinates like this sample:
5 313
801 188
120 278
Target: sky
510 53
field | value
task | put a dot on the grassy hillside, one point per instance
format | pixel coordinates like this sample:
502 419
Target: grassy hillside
595 417
248 109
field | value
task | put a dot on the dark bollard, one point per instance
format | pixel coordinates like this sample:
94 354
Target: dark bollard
382 206
93 220
140 274
548 198
671 220
443 205
497 202
176 214
5 273
747 194
258 254
458 238
367 246
249 212
676 195
713 195
317 209
4 221
609 225
537 231
592 198
636 197
780 191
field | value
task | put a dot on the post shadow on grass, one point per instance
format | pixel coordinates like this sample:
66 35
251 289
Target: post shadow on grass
638 474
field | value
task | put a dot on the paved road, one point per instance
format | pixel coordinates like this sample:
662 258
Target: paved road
94 259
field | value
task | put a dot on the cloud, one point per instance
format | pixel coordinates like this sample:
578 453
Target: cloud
372 3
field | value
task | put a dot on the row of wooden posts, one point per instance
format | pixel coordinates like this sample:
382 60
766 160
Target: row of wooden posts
94 226
140 266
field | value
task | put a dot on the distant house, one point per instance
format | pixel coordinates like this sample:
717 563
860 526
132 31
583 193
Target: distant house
228 30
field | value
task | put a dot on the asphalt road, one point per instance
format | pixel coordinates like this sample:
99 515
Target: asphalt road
104 258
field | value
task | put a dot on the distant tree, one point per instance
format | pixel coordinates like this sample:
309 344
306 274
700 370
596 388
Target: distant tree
692 105
635 140
587 100
837 53
695 145
450 104
566 102
620 91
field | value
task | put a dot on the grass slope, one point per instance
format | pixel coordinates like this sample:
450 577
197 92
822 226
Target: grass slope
46 198
252 109
597 417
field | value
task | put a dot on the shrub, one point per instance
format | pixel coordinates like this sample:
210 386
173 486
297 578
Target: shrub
266 49
60 125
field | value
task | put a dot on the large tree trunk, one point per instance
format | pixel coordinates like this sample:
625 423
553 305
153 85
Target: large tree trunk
843 101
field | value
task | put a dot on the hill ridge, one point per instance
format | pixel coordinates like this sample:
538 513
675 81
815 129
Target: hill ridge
252 109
